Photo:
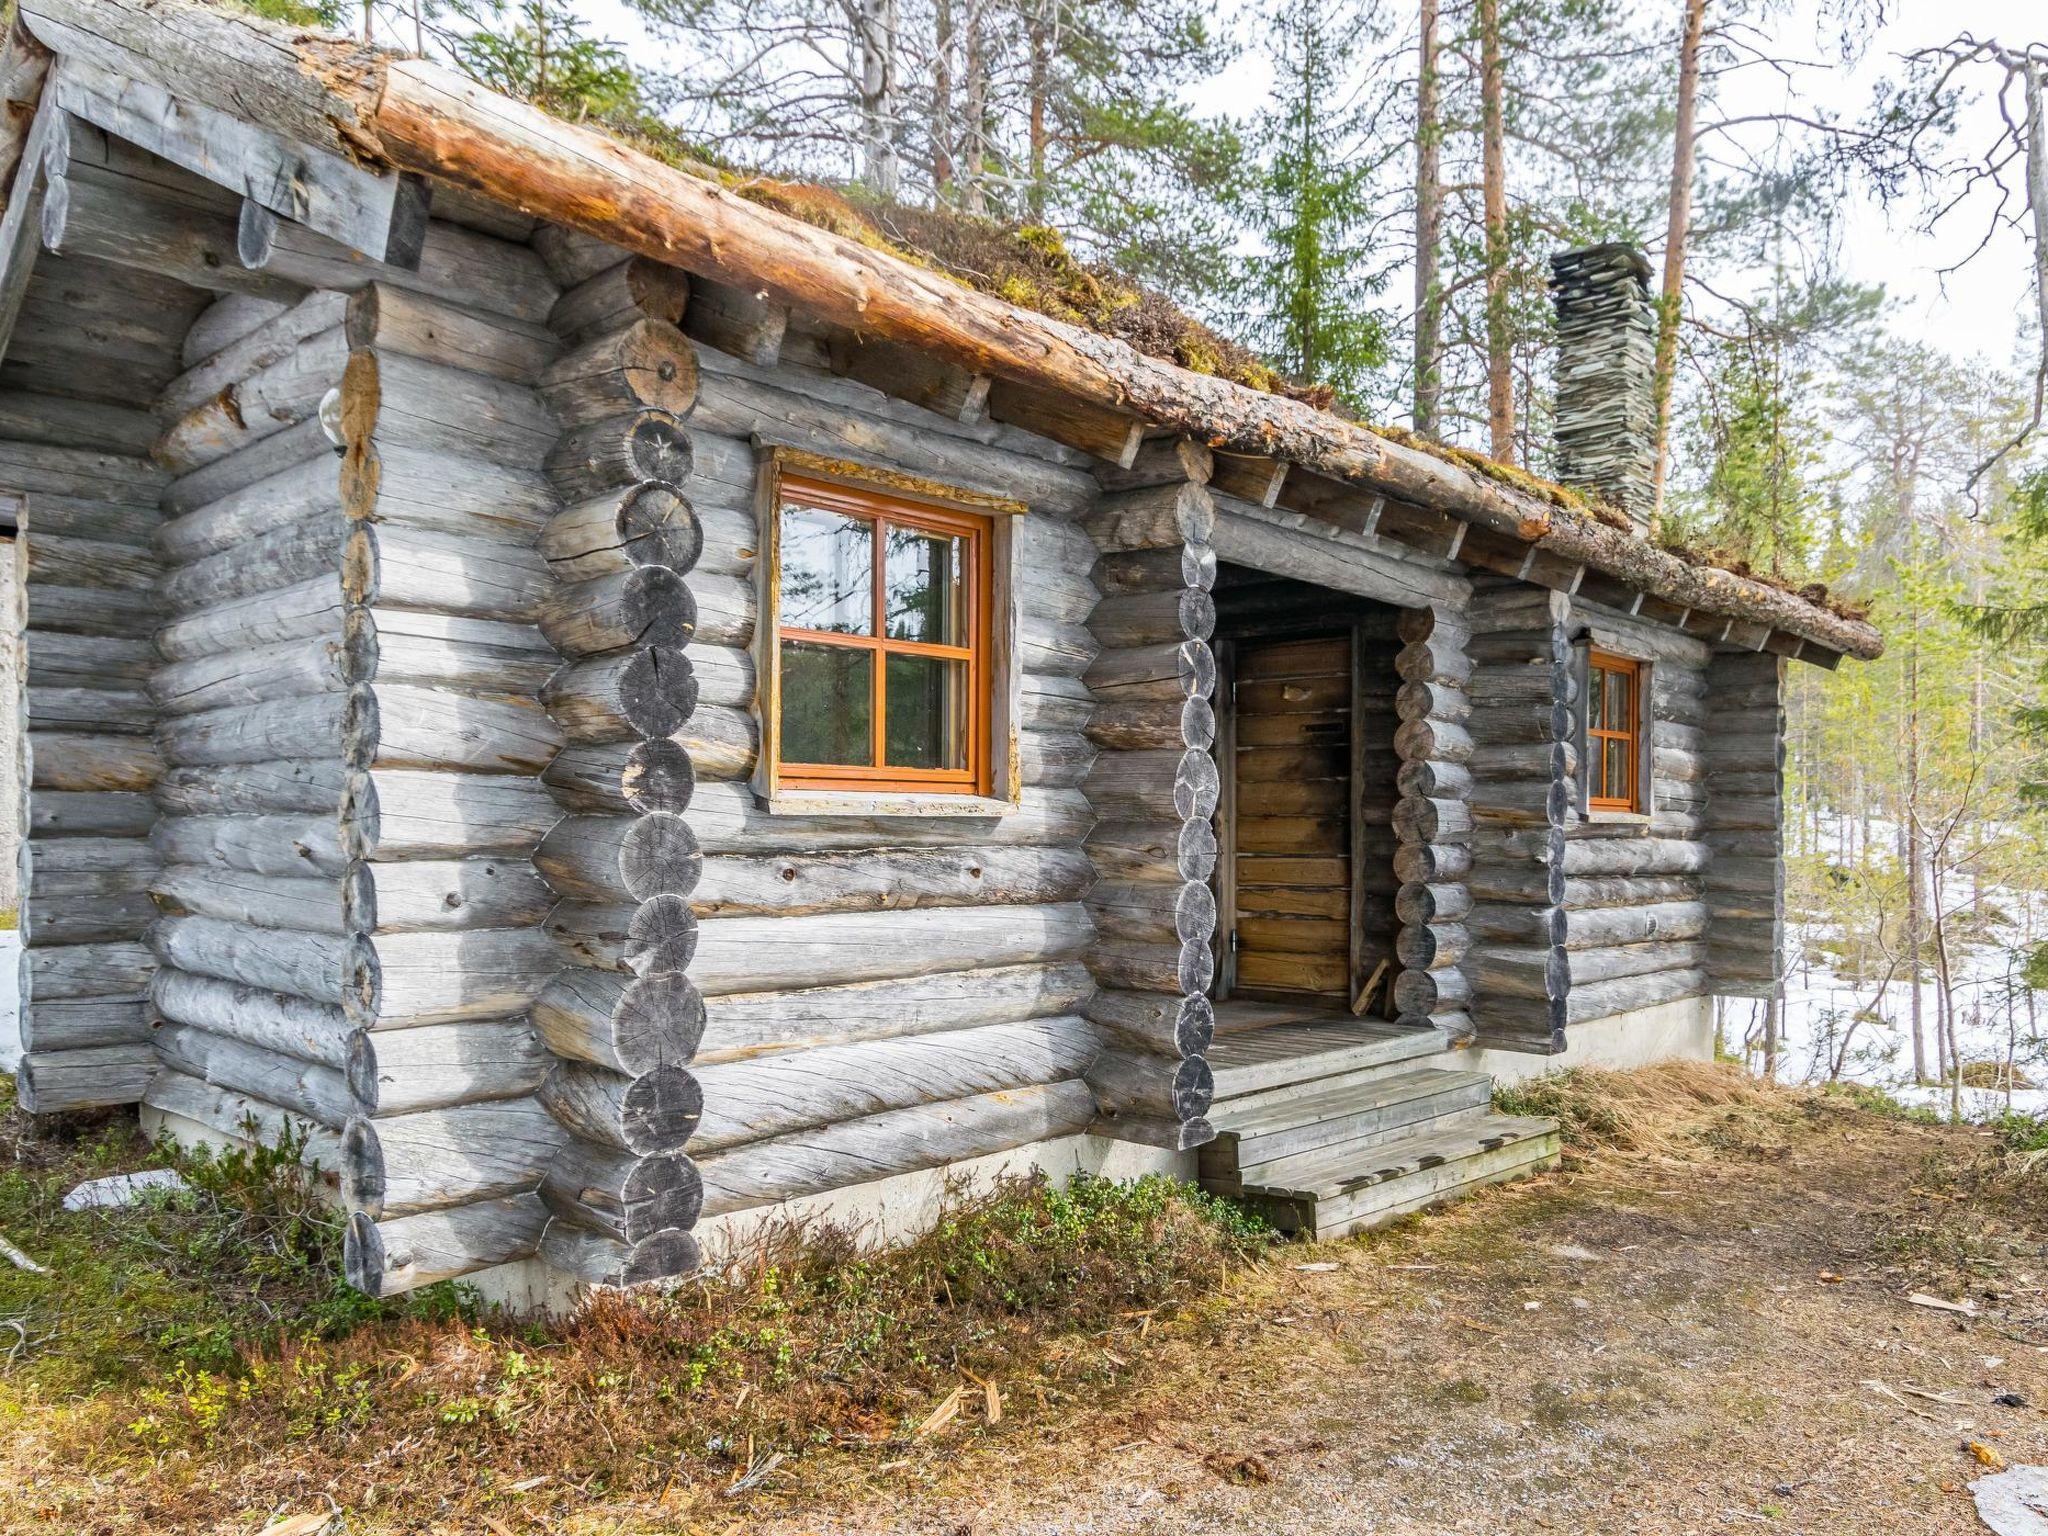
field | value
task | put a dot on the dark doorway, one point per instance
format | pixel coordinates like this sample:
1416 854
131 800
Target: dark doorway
1305 752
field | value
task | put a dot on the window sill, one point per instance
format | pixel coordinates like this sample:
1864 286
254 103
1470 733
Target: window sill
832 802
1618 823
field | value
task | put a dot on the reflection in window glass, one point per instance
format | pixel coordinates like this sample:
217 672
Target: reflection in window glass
827 573
1617 710
827 704
927 725
921 572
1616 768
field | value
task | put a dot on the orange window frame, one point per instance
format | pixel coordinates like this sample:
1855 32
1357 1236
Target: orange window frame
882 510
1601 796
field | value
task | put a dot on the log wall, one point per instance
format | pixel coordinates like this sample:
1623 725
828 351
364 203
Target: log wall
1742 755
1154 785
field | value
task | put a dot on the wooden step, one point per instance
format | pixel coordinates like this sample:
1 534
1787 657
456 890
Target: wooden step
1335 1192
1354 1115
1282 1057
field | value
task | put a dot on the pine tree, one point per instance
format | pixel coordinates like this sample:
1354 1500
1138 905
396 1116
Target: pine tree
1307 299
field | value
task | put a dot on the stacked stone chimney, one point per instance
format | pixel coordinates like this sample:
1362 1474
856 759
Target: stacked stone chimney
1606 361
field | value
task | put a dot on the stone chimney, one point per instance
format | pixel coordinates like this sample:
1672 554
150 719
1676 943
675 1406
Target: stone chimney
1606 357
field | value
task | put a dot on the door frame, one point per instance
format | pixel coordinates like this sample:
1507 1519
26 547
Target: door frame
1224 821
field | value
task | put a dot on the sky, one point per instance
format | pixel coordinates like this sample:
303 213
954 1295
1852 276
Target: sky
1976 313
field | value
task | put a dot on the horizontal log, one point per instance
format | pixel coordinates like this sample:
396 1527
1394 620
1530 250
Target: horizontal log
400 1164
445 895
1153 724
444 651
401 980
317 1093
435 572
595 1259
120 970
645 365
1154 913
1137 786
442 1066
281 785
835 948
50 920
897 1141
78 762
889 879
1154 1023
312 904
620 451
262 675
258 845
1145 1085
397 814
621 858
631 1024
728 818
622 697
646 523
273 340
401 726
54 1026
1186 968
654 1113
98 1077
620 1195
305 610
645 606
256 406
313 966
407 323
81 813
1170 671
256 733
618 294
88 661
256 1016
768 1096
391 399
388 1258
1157 852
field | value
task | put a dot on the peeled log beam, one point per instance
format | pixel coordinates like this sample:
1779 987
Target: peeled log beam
443 573
1156 913
744 1024
444 895
773 1095
739 954
897 1141
620 1195
264 403
1173 670
319 1093
889 879
97 1077
594 1259
395 813
399 726
646 606
644 1115
439 1066
283 784
1149 724
47 920
1155 517
86 970
236 896
1155 1023
410 324
650 692
618 777
275 1021
1183 969
645 938
51 1027
241 1119
314 966
620 451
308 609
401 980
254 733
611 1018
1148 1086
401 1164
647 523
1133 786
1157 852
258 845
386 1258
76 813
262 675
648 365
388 398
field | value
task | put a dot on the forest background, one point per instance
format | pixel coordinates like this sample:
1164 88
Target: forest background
1845 203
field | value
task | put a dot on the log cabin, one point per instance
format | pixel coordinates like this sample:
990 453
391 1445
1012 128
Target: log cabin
606 709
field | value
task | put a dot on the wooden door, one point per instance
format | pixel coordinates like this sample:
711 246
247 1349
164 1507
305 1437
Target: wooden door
1286 830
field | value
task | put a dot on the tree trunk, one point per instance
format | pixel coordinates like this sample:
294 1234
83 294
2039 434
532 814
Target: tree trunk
975 199
1915 914
942 100
1677 226
1500 380
1041 70
1428 221
880 167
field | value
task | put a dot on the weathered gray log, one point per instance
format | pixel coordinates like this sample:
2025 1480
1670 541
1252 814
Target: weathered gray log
1185 968
88 661
55 1082
1133 786
308 609
610 299
432 1159
897 1141
308 965
443 573
400 726
260 845
72 813
646 606
401 980
890 879
54 1026
620 1195
437 491
1155 517
1172 671
444 894
732 952
47 920
237 896
262 346
1154 851
647 523
619 859
256 733
266 402
630 1024
662 775
648 365
386 1258
426 405
595 1259
1155 1023
1143 1084
281 785
231 679
653 1113
411 324
1172 913
750 1100
649 692
65 760
620 451
318 1093
240 1119
441 1066
445 651
1153 724
274 1021
396 814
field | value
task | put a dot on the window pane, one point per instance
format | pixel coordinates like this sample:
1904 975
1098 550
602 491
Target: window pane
924 575
1596 714
1617 710
828 573
927 713
827 704
1614 752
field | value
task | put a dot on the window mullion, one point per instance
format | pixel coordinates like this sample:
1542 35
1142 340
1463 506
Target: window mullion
878 682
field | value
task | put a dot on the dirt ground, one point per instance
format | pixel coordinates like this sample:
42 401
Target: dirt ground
1647 1344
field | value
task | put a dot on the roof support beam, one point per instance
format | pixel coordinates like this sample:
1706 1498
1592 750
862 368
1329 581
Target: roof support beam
382 214
1111 436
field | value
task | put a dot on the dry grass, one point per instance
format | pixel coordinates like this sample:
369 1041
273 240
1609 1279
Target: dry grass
1672 1107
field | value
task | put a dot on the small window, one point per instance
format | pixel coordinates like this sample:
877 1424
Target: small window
1613 732
882 642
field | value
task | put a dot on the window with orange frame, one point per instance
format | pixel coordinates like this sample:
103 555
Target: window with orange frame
882 642
1613 732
